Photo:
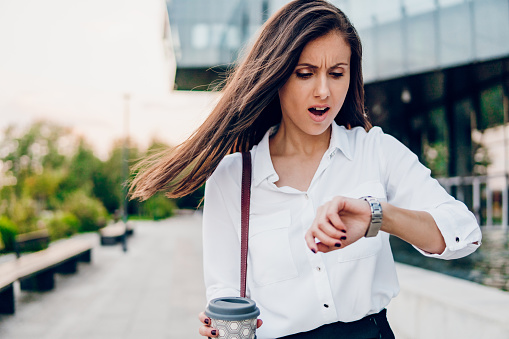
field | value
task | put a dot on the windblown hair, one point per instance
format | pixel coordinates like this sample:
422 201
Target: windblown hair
250 105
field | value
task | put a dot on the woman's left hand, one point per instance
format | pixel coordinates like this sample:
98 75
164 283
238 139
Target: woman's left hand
338 223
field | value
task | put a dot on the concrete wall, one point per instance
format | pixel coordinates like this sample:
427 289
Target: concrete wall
433 305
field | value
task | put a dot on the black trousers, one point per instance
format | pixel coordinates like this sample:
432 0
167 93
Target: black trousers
374 326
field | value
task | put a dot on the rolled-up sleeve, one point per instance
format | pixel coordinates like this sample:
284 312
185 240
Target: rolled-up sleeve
409 185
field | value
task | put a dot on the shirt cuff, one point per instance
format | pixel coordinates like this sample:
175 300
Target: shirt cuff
461 233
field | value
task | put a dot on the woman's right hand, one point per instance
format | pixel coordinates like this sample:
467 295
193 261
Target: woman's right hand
207 331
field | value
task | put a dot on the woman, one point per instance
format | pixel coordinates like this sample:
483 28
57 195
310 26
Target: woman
327 189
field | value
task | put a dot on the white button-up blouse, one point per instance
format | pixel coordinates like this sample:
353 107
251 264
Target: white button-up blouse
295 289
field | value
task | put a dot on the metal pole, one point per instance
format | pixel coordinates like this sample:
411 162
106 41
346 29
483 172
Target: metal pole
476 198
505 103
489 205
125 169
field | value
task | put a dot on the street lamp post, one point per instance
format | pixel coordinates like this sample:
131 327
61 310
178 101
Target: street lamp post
125 168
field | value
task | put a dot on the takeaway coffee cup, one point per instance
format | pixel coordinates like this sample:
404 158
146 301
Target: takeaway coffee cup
233 317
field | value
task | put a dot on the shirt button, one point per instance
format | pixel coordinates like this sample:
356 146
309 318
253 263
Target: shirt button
457 239
325 305
318 268
306 196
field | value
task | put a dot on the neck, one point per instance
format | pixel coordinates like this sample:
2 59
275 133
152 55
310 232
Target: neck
288 142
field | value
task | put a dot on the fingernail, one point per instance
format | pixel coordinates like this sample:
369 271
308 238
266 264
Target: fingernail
313 250
343 238
213 332
207 321
337 244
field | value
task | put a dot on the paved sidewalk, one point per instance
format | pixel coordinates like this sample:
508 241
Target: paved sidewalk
155 290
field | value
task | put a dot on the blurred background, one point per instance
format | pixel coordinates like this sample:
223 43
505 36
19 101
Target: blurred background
89 87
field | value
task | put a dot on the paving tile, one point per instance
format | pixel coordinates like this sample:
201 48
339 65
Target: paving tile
155 290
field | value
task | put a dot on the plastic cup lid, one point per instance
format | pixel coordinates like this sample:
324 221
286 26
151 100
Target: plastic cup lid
232 308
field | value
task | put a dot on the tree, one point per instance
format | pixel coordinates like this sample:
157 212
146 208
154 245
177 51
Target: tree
81 171
34 159
108 180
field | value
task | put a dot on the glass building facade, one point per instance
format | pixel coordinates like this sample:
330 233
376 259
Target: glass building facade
399 37
211 33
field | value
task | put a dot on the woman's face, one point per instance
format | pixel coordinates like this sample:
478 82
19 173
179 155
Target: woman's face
316 90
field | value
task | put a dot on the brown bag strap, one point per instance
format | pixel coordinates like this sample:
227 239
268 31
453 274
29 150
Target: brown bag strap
245 202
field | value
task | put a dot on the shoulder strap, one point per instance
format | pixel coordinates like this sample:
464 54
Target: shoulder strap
245 202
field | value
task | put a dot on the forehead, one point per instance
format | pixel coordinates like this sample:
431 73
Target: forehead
331 47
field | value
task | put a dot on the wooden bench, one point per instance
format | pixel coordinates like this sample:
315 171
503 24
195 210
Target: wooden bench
36 270
112 234
31 241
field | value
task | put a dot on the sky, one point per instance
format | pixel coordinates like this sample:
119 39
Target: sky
73 62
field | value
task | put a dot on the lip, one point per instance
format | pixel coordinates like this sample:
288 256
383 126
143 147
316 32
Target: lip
318 118
321 117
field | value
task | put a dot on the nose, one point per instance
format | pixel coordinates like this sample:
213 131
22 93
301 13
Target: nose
322 90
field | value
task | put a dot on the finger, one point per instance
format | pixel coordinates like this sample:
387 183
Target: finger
204 319
334 231
325 249
326 239
259 323
207 331
310 241
335 221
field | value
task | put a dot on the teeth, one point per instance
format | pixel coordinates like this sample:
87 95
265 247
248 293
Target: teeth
320 108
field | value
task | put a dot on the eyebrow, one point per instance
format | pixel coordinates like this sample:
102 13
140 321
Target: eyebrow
314 67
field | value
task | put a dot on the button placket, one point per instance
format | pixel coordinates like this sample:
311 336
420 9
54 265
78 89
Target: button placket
323 287
317 266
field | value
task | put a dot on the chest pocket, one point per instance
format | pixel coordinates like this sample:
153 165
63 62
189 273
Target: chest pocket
364 247
270 257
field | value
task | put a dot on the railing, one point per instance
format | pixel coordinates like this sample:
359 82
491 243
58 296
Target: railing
486 196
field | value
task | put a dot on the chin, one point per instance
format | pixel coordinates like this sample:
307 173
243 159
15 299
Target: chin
318 130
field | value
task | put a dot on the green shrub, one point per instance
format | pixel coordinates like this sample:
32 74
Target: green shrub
23 213
158 207
8 231
90 211
62 225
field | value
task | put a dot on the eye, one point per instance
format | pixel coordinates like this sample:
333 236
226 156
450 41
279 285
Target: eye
336 74
303 75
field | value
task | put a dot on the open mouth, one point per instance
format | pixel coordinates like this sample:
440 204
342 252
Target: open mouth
318 110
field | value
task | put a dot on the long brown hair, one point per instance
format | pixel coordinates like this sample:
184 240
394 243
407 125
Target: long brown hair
249 105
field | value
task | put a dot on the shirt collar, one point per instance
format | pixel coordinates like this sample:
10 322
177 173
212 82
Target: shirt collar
262 163
339 140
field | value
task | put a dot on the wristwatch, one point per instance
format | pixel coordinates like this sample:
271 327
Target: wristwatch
376 216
